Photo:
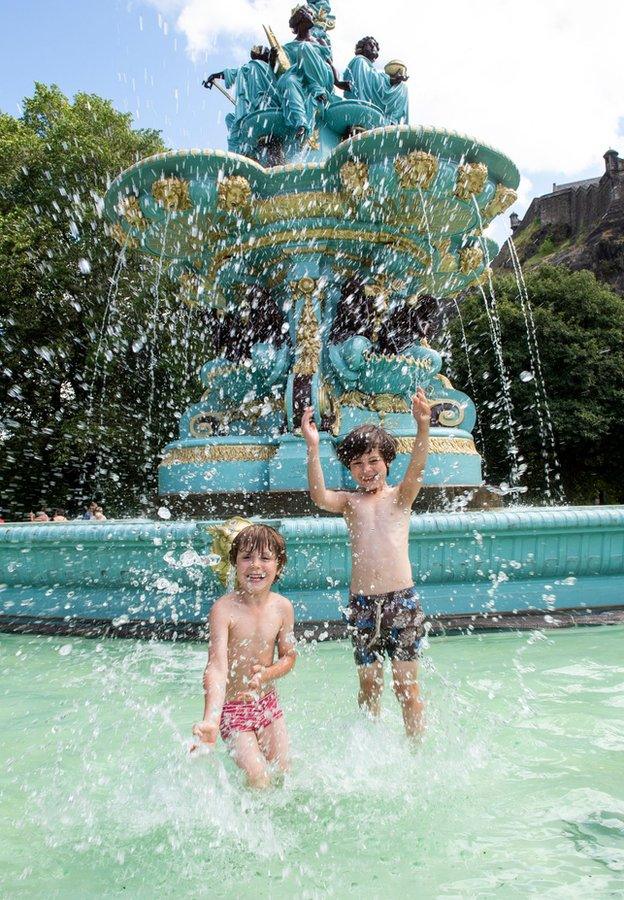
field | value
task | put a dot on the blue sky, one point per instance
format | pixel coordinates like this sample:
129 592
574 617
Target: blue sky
540 80
121 51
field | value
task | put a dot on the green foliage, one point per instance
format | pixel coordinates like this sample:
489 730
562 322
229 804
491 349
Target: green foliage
580 331
76 415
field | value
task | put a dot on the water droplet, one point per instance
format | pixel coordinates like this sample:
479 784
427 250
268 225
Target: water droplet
164 513
65 650
526 376
84 266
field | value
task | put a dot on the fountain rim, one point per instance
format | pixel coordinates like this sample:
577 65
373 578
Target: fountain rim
502 167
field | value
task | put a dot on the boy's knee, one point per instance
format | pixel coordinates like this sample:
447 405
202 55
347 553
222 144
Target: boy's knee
407 691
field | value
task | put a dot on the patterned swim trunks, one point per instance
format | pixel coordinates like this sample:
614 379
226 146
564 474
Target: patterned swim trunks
391 624
249 715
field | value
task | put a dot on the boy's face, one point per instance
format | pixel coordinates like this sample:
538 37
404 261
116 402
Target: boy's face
256 570
369 470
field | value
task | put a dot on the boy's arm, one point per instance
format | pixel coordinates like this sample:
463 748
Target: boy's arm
412 480
285 651
215 675
332 501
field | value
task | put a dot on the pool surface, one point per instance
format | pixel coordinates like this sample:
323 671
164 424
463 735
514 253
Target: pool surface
516 789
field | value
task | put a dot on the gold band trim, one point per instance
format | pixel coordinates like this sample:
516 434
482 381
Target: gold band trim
218 453
441 445
402 244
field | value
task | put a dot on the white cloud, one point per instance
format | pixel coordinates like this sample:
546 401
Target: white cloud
541 79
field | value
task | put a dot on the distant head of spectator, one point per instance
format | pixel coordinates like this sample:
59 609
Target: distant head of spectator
40 516
99 514
89 512
58 515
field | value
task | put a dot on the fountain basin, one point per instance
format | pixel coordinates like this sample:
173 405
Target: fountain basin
463 563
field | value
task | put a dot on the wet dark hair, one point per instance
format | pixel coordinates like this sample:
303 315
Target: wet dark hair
259 538
363 440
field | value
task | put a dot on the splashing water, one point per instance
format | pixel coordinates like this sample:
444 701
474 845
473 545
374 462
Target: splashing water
99 787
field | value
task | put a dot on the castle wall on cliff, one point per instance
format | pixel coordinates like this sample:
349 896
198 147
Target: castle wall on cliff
578 205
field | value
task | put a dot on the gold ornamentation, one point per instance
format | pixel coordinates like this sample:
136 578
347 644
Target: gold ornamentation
381 290
449 418
448 261
123 238
304 287
190 287
416 170
395 67
234 193
306 205
219 453
425 363
379 403
329 407
308 350
440 445
402 244
445 382
222 539
354 177
131 211
470 258
471 178
314 141
503 198
172 193
484 277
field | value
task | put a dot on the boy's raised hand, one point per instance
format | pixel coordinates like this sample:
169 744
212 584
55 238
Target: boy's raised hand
308 428
421 409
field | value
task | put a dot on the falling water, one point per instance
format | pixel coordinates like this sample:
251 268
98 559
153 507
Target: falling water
546 431
471 382
110 305
491 309
154 329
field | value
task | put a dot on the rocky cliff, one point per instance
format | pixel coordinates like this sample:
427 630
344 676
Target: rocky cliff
579 225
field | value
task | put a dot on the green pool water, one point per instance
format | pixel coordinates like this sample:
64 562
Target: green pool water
517 788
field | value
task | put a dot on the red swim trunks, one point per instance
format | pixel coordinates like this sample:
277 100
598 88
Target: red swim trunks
249 715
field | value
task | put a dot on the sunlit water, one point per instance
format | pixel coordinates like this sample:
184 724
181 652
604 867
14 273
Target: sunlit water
517 787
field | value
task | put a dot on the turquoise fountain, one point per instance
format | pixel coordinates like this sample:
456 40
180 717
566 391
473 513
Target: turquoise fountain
325 243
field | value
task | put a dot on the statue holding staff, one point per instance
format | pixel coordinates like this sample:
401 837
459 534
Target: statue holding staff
255 88
385 90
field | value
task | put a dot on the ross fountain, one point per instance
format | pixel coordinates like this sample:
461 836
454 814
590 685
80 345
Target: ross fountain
326 242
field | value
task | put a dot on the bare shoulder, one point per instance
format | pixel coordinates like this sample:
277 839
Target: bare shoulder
223 607
283 603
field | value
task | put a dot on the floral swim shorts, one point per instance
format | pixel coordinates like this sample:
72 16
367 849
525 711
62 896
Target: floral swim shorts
391 624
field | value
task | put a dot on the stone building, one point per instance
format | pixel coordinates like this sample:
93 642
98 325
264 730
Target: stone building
579 225
579 205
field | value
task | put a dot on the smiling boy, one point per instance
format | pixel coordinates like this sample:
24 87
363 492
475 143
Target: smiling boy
246 627
385 615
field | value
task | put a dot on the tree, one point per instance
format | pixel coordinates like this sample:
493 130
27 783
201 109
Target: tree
95 364
579 325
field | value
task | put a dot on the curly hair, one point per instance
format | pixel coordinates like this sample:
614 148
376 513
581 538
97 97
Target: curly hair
365 40
363 440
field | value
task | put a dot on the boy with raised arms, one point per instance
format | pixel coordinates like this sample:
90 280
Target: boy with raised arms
385 616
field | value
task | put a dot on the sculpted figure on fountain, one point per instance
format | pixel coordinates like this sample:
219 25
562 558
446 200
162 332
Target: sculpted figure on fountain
309 82
324 21
255 87
388 92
